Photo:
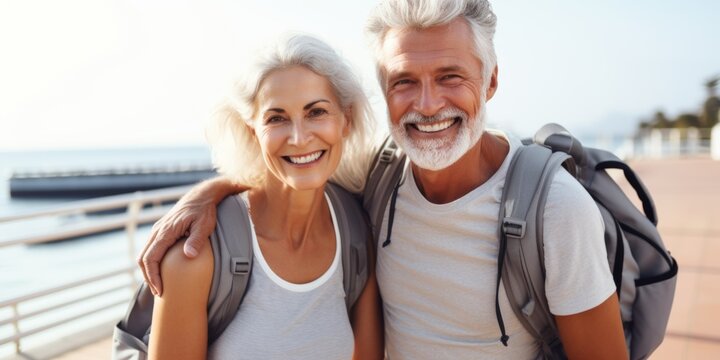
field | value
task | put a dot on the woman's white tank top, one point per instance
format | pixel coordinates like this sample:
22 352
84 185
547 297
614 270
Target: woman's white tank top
282 320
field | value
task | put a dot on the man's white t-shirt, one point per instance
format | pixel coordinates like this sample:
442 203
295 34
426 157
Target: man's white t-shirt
437 276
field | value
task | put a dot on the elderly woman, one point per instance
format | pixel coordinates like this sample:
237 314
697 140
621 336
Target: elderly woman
298 120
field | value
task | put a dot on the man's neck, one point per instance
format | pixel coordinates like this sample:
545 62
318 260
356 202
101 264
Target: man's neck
470 171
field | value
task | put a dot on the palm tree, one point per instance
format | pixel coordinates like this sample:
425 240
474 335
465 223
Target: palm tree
711 107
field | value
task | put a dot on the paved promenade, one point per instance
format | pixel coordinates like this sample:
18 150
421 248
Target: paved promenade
687 195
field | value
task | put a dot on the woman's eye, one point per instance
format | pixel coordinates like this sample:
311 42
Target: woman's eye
317 112
274 119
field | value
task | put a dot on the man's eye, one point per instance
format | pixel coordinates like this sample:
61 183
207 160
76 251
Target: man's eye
450 77
401 84
317 112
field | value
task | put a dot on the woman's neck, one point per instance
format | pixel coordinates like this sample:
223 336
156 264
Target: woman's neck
280 212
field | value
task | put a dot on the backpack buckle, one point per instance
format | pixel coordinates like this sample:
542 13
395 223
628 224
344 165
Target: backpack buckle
240 266
513 228
387 154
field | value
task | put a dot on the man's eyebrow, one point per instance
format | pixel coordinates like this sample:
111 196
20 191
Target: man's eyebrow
451 68
445 69
311 104
398 75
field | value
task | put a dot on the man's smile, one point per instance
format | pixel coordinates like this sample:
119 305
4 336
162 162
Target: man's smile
435 126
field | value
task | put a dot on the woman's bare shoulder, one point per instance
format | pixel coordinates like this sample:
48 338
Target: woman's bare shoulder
180 273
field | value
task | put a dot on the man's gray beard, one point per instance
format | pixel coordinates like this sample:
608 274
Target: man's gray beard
437 154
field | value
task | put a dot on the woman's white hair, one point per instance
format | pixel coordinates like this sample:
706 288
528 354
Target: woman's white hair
422 14
235 150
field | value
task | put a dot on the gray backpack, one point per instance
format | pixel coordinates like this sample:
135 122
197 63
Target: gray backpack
643 270
232 249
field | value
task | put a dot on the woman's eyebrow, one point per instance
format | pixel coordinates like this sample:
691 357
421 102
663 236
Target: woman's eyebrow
309 105
277 110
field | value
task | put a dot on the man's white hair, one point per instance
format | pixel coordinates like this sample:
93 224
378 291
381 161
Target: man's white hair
235 149
422 14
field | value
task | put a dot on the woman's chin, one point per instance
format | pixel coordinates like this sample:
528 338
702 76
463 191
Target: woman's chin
306 183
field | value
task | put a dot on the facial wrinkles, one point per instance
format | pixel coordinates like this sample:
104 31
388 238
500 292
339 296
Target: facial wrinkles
424 57
309 120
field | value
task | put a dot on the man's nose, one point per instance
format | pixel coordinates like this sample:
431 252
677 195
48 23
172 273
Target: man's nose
429 101
300 134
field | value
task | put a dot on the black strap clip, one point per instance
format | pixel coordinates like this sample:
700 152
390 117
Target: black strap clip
240 266
387 153
513 228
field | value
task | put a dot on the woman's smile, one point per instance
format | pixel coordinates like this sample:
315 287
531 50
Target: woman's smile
306 159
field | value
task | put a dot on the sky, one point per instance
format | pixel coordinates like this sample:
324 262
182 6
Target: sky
83 74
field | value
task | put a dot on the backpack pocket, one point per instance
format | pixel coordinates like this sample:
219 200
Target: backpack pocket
127 347
654 298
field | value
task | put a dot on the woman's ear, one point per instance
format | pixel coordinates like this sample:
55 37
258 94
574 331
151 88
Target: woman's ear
249 127
348 121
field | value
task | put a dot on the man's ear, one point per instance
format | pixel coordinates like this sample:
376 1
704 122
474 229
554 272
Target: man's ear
348 121
493 84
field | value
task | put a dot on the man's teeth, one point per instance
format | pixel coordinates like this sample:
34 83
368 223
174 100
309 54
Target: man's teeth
435 127
306 158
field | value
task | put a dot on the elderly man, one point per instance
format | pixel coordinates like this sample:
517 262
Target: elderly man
437 68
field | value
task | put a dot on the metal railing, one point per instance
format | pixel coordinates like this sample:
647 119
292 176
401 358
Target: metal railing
139 208
668 143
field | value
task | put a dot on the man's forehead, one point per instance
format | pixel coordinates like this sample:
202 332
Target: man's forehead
457 29
411 50
452 40
425 61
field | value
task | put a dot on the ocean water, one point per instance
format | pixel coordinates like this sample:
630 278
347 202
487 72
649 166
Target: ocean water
26 269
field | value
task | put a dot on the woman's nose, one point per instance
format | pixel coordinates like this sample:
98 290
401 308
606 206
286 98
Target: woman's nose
300 135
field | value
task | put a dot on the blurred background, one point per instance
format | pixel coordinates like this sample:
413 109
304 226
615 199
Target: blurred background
103 98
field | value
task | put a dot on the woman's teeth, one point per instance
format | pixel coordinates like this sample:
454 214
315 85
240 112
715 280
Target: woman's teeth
305 158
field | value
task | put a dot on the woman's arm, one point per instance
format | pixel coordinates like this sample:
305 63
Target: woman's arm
367 318
179 323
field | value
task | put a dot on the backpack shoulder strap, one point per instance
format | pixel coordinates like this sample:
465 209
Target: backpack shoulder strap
232 249
354 236
384 176
521 258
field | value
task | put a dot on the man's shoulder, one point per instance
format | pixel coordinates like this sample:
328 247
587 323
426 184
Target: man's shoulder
569 203
566 189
